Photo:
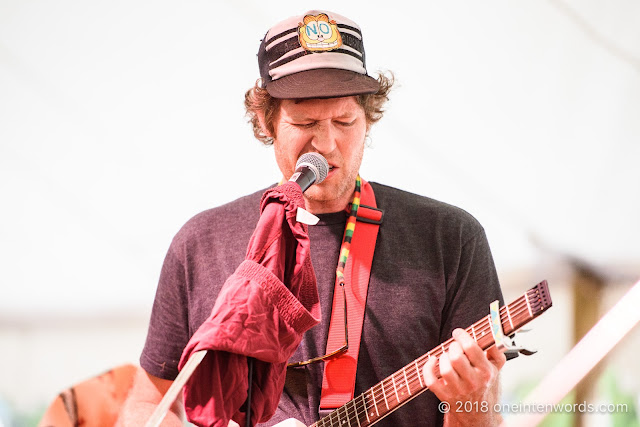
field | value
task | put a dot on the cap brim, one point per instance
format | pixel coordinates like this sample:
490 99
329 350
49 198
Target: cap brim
322 83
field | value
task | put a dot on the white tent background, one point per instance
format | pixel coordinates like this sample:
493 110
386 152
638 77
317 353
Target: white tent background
119 120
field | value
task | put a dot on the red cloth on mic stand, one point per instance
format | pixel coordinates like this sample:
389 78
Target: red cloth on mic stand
262 311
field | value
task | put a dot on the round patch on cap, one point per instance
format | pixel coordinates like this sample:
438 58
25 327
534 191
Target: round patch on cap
319 34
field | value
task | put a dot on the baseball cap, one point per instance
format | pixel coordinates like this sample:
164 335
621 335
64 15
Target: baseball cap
319 54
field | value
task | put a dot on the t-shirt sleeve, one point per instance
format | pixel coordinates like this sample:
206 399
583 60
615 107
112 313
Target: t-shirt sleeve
168 332
472 288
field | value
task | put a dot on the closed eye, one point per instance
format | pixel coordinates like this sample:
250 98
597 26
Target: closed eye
305 125
346 123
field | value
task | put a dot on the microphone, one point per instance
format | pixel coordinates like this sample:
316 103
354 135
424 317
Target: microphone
311 168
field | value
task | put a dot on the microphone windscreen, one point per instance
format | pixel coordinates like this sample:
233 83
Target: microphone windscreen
316 162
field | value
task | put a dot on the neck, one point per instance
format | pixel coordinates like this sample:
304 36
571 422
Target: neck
328 197
322 207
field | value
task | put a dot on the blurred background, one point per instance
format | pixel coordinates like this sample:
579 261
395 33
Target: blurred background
119 120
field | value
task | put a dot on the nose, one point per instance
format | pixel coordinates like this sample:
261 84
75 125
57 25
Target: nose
324 138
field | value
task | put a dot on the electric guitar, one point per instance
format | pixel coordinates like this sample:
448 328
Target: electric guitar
399 388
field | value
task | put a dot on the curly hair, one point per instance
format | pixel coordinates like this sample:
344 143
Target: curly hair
257 100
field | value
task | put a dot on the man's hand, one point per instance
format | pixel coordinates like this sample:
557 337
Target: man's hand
467 380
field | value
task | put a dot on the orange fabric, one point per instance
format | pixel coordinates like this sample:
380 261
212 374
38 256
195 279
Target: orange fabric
339 376
94 402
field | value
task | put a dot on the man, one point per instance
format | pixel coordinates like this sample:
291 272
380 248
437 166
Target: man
432 271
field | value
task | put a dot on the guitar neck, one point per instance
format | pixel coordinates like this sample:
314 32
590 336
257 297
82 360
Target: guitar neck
399 388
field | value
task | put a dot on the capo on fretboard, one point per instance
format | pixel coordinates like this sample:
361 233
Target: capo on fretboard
504 342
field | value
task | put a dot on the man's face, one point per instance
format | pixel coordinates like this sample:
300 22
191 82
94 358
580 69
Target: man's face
335 128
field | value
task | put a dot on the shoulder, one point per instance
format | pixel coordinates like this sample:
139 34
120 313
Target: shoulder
236 217
408 208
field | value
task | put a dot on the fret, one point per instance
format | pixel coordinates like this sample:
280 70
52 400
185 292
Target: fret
384 395
473 331
509 316
395 389
355 411
489 328
346 414
333 415
365 407
404 370
418 371
375 405
526 297
483 332
488 335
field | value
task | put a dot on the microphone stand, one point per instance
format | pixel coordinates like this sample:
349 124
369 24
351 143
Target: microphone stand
250 361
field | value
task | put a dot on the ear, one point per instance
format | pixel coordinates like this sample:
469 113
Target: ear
263 126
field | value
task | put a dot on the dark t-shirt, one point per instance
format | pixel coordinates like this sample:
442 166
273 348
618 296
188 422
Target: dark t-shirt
432 272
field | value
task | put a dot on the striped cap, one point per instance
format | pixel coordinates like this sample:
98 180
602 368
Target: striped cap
316 55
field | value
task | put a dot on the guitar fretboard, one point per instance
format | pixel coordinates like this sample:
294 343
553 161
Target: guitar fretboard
399 388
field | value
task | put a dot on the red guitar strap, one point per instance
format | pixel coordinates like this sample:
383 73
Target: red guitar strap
339 378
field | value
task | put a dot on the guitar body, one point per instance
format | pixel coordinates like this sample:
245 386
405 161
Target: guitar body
92 403
291 422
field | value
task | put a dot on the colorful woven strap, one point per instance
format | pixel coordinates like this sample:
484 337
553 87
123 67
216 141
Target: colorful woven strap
348 233
354 267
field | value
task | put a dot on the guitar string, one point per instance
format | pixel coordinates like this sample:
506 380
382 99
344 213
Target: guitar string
519 314
375 395
414 378
516 310
519 311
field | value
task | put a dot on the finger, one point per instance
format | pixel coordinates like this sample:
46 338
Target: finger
471 348
459 363
496 357
434 381
430 372
454 378
481 370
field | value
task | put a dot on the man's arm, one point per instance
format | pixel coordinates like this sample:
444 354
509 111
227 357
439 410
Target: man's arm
468 381
145 394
